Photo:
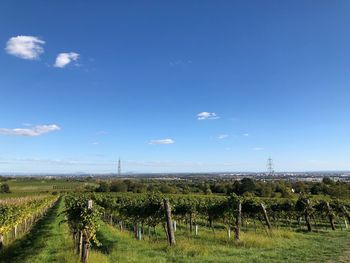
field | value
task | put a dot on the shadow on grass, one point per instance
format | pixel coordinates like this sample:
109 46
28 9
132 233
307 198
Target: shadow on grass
33 242
107 244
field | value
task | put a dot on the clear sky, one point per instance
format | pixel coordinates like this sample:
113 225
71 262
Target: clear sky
174 86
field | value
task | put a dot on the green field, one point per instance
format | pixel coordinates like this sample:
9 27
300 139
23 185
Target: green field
23 187
50 240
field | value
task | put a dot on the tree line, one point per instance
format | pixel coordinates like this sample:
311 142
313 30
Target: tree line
246 186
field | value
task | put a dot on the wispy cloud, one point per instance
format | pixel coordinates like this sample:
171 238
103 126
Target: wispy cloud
207 116
26 47
245 134
63 59
222 136
258 149
32 131
95 143
162 141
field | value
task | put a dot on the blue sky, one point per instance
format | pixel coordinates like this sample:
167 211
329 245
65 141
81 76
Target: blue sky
174 86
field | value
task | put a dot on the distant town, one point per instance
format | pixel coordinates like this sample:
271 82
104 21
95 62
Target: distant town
317 176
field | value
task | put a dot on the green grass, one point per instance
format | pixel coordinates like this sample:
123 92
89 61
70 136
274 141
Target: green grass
48 241
280 246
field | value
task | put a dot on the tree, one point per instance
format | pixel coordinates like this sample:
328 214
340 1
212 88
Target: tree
104 187
5 188
316 189
207 190
328 181
118 186
247 185
300 187
167 189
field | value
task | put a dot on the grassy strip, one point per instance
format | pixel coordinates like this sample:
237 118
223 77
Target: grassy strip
280 246
48 241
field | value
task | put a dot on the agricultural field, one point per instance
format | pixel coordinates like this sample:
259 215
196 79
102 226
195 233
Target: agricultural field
30 185
22 187
86 226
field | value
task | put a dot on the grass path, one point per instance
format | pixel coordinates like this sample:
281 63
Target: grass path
283 247
48 241
121 247
345 257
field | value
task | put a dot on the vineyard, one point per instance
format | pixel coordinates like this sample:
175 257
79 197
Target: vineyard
97 227
17 215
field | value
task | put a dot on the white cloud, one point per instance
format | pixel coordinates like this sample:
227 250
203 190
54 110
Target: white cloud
26 47
258 149
245 134
95 143
63 59
32 131
222 136
162 141
207 116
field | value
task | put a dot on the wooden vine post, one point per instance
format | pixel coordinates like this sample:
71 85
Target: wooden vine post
238 220
1 241
135 231
346 213
139 233
80 242
85 251
86 241
169 225
330 215
307 216
15 232
265 216
191 222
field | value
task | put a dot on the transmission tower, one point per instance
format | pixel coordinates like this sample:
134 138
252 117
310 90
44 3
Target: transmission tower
119 168
270 170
